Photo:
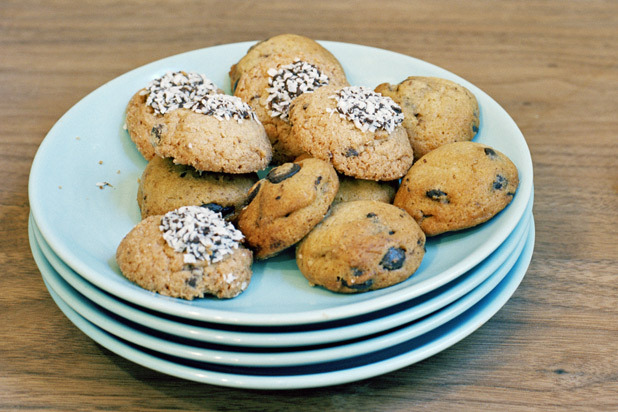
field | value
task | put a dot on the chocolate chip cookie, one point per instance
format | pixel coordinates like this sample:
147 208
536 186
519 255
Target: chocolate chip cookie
436 111
361 246
165 186
287 204
457 186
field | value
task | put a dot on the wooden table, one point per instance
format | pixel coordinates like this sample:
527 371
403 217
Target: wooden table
551 64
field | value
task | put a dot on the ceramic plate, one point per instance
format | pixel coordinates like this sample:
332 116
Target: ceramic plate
318 375
84 177
218 354
322 333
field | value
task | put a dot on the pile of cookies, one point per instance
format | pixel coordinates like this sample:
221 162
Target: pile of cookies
357 178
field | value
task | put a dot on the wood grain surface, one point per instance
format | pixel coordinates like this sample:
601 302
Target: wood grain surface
553 65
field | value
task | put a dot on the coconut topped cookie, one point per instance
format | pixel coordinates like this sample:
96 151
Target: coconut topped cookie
172 91
220 133
357 130
275 72
188 253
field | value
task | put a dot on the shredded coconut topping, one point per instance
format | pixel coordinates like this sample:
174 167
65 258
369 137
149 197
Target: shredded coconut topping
200 233
225 107
289 82
368 110
177 90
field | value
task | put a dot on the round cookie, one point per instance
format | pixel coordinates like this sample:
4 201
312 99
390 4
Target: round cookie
270 85
356 129
287 204
221 134
436 111
187 253
292 45
165 186
351 189
457 186
147 106
361 246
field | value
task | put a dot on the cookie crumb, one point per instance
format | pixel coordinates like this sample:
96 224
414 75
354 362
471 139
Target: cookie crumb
102 185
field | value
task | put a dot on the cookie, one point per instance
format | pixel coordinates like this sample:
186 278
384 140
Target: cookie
285 67
436 111
165 186
286 205
457 186
354 128
171 91
293 45
220 134
351 189
187 253
361 246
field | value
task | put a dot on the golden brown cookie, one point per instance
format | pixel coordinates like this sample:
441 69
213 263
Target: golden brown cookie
165 186
361 246
356 129
221 134
171 91
275 72
436 111
187 253
287 204
457 186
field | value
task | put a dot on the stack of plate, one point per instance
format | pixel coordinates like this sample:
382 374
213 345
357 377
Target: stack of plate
280 333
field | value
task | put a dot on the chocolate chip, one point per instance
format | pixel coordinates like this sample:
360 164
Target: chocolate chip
491 153
475 128
393 259
183 174
318 180
285 171
357 271
351 152
510 193
500 183
371 214
192 281
357 286
217 208
156 131
437 195
253 193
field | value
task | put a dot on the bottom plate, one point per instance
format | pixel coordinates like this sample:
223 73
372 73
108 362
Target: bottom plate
323 374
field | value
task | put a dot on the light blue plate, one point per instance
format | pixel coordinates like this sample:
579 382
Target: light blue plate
322 374
83 222
190 349
322 333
